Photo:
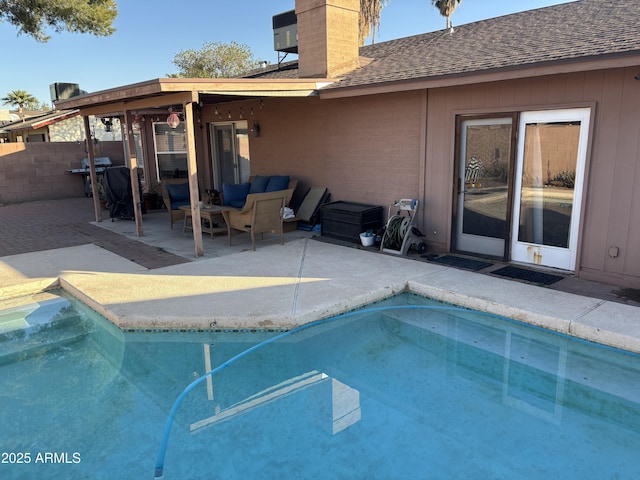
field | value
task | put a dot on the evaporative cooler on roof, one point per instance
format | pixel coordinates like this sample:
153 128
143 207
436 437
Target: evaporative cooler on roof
285 32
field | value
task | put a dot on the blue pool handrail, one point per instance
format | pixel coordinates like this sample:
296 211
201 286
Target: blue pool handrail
159 468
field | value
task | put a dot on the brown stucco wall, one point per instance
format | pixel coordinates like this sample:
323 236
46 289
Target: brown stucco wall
37 171
363 151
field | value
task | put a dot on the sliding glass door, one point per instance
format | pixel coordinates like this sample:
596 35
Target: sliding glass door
520 198
485 159
552 150
231 160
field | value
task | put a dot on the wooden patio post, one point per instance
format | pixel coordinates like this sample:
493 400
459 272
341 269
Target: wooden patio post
133 169
192 169
92 169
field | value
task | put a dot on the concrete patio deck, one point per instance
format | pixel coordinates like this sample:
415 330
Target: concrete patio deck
274 287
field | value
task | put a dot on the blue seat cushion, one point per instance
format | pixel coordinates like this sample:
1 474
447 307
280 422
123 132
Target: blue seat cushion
181 203
178 192
277 183
235 195
259 184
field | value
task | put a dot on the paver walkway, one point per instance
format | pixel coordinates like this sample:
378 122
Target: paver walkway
45 225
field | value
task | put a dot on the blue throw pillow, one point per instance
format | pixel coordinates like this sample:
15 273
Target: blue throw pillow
277 183
259 184
179 192
235 194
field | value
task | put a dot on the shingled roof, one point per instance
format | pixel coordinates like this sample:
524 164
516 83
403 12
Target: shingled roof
576 31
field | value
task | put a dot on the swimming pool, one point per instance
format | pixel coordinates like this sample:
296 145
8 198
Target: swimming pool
401 393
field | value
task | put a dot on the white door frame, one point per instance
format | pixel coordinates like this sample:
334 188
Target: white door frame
240 163
485 245
535 252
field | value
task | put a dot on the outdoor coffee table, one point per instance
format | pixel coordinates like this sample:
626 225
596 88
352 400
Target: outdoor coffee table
208 213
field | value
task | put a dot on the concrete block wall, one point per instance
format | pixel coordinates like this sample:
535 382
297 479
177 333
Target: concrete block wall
38 171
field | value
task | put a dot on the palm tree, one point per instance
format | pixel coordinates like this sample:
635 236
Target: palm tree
446 8
19 98
370 18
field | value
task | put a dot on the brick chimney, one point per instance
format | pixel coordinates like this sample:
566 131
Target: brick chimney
327 37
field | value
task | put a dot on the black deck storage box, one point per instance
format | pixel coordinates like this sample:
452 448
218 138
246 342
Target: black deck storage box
347 220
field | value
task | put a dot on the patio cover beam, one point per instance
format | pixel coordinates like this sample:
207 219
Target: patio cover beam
158 90
137 104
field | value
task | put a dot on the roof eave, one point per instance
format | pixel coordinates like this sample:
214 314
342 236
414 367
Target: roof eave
58 118
160 90
582 64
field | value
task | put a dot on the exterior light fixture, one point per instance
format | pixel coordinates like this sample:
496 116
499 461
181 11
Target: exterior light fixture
108 123
135 125
173 120
255 129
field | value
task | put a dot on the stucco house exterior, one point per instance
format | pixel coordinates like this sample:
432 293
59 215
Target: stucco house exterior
518 134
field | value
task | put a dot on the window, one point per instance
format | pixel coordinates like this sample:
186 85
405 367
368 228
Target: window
171 150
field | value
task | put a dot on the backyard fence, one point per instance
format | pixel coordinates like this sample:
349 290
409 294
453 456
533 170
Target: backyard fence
39 171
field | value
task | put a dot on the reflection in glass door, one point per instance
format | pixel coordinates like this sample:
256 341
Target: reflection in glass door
483 194
552 148
230 144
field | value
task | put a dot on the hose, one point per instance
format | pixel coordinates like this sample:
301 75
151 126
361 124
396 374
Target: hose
396 231
393 235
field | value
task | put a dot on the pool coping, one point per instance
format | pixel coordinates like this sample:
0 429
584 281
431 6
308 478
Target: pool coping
233 292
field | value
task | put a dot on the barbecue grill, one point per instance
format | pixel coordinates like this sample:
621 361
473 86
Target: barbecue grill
100 162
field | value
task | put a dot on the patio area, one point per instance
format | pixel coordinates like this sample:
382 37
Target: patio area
276 286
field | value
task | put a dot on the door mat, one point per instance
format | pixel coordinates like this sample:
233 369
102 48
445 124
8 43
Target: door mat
459 262
528 275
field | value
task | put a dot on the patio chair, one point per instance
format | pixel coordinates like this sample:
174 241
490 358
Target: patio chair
307 213
175 193
261 213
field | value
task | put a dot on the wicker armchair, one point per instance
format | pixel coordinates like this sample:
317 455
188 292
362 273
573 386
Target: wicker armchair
261 213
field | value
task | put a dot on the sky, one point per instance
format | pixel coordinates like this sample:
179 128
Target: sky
149 34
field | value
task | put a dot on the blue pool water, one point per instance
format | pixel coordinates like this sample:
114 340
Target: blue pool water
392 393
